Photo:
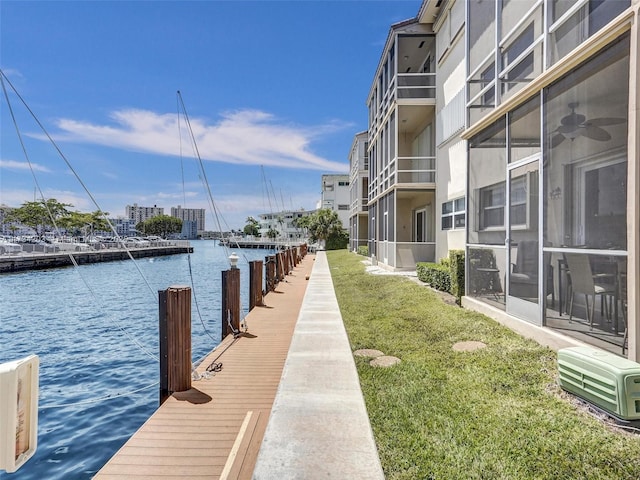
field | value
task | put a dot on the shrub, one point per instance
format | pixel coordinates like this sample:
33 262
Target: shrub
337 241
363 250
456 267
436 275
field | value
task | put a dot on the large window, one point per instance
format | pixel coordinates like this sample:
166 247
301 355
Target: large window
520 188
517 60
492 201
507 42
573 21
517 47
487 195
585 176
524 131
481 31
453 214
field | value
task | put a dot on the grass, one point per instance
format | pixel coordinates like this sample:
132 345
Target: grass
495 413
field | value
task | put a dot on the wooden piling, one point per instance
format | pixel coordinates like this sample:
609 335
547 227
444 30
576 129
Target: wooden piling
175 340
255 284
292 259
289 261
230 301
270 273
279 266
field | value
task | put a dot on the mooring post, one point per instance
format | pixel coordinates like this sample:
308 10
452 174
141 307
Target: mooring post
287 261
279 267
270 273
255 284
292 259
230 300
175 340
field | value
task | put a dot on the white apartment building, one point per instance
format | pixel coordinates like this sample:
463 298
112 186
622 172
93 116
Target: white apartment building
196 215
336 196
358 190
140 214
553 130
124 227
402 153
511 129
284 223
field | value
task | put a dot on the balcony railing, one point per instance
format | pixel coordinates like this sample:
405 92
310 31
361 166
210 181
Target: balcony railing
359 205
403 86
404 255
416 170
416 85
403 170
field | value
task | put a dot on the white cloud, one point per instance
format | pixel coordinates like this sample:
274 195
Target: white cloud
249 137
16 197
20 166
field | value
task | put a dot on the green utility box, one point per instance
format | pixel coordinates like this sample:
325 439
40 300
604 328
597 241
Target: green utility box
608 381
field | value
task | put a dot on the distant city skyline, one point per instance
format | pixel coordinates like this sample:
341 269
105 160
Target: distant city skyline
274 91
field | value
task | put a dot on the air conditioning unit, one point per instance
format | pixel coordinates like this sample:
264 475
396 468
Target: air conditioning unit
18 412
607 381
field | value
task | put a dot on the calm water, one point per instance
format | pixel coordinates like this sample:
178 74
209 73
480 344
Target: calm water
95 329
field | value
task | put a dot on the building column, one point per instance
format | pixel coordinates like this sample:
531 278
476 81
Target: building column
633 189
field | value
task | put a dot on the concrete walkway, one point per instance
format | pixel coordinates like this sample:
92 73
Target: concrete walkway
288 394
319 426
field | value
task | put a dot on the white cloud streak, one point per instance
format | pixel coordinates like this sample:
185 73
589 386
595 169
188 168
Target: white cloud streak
249 137
22 166
16 197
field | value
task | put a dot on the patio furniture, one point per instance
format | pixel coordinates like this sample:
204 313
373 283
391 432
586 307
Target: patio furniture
524 272
584 282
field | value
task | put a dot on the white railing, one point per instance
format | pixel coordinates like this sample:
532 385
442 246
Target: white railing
416 170
404 170
403 86
416 85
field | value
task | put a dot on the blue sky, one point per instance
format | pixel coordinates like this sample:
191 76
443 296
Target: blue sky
274 90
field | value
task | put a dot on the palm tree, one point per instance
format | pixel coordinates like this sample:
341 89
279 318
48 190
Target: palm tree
323 224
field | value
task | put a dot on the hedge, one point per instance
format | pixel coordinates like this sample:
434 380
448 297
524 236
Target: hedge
456 264
446 276
436 275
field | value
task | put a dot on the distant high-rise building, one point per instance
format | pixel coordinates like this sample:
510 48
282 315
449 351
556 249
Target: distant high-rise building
189 229
125 227
140 214
190 215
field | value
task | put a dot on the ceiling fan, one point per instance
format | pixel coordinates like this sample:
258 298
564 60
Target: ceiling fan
576 124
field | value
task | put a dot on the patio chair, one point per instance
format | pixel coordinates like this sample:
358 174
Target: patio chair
524 272
584 282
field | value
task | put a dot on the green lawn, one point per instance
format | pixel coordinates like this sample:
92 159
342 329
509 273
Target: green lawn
492 413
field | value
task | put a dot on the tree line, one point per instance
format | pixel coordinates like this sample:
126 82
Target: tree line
320 226
45 215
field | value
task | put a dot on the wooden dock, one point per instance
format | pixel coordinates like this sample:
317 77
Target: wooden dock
265 244
215 430
39 261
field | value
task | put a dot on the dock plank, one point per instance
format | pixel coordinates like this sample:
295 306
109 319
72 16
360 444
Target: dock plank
193 433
